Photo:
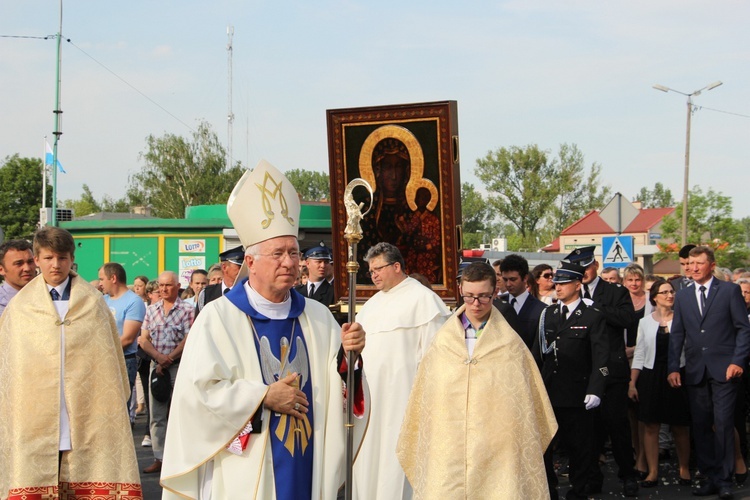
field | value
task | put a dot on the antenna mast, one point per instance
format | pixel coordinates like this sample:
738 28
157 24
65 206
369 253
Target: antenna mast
230 114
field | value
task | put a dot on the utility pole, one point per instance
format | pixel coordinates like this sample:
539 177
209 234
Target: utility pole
230 114
58 118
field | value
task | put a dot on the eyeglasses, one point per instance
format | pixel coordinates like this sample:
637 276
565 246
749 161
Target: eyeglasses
483 299
666 292
547 275
376 270
278 255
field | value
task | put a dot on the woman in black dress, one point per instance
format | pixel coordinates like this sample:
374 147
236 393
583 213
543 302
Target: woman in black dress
658 402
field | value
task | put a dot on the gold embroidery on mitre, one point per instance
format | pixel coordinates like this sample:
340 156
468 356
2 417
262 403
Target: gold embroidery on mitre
275 193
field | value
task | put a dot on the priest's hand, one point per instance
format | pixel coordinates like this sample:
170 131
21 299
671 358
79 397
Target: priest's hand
284 396
353 338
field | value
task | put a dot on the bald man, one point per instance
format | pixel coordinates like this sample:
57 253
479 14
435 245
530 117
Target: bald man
163 335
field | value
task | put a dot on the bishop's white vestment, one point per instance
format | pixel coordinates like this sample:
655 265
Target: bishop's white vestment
221 386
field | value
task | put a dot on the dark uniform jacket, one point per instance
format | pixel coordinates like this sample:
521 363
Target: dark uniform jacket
323 292
528 317
616 306
577 364
211 292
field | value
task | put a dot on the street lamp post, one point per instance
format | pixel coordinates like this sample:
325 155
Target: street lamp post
686 187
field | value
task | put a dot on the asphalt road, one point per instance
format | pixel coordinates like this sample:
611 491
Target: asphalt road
668 488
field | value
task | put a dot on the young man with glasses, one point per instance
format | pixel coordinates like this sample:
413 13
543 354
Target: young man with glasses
401 320
478 420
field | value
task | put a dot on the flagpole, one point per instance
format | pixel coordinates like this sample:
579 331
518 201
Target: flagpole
57 112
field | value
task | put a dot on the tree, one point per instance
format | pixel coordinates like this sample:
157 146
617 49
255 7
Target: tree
659 197
87 204
474 212
578 193
710 222
21 196
310 185
539 196
179 173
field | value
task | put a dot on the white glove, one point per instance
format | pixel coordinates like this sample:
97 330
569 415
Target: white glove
588 302
591 401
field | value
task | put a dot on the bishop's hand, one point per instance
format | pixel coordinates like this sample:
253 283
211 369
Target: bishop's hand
283 396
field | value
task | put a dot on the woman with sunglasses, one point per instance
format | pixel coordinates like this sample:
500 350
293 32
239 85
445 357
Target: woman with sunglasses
543 274
659 403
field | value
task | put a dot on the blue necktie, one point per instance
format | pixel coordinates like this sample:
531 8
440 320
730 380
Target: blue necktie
53 293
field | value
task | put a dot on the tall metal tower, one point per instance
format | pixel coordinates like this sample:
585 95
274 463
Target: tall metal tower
230 114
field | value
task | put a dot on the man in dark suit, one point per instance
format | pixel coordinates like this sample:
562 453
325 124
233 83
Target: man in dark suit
318 287
231 261
515 270
710 322
612 418
572 347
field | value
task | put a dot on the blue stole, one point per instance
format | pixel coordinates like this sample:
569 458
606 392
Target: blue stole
281 349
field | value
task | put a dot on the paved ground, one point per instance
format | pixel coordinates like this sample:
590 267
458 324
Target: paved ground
668 488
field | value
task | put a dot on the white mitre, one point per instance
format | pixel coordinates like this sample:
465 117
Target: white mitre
263 205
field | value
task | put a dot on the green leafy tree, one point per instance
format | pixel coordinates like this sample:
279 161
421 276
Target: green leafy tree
87 204
21 195
539 195
710 222
579 193
474 212
659 197
180 172
310 185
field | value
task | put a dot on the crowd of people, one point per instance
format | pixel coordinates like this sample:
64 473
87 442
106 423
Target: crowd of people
242 374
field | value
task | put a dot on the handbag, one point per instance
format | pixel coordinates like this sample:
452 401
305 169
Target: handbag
161 386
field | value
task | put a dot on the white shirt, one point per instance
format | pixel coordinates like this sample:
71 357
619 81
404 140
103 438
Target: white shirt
62 309
698 292
520 301
571 307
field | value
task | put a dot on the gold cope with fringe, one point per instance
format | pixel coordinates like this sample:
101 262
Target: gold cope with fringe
477 427
96 394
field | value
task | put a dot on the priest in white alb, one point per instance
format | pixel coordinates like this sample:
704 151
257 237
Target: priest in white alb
401 320
258 409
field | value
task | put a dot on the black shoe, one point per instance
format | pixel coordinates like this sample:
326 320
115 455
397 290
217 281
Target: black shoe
705 489
641 474
630 488
592 489
726 492
649 484
572 495
685 482
740 478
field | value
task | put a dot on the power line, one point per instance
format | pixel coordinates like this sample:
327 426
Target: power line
48 37
722 111
131 86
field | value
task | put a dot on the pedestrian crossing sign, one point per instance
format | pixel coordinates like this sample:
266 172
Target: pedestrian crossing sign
617 251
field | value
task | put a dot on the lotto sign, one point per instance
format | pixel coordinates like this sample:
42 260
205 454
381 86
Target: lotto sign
617 251
192 246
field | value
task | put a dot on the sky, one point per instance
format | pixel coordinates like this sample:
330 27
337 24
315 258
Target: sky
523 72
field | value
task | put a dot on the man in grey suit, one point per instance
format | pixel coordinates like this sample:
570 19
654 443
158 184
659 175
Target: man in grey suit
710 322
